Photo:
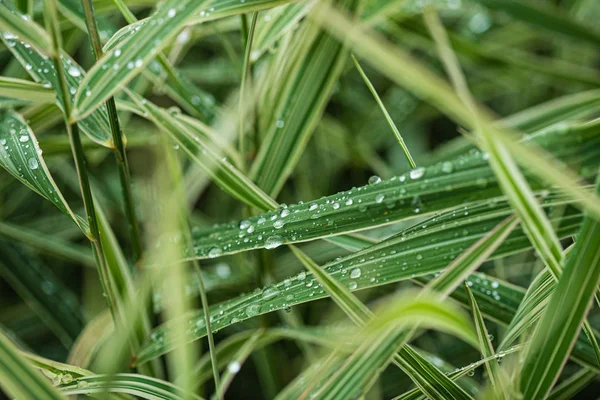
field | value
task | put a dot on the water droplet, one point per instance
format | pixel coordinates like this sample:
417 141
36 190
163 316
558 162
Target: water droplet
270 293
352 285
117 52
417 173
302 276
244 224
349 202
24 138
280 123
447 167
253 310
374 180
312 207
278 224
171 13
214 252
379 198
74 71
33 163
273 242
234 367
355 273
28 67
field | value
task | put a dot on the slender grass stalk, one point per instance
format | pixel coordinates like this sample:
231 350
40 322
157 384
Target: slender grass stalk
388 118
245 73
117 136
177 177
52 26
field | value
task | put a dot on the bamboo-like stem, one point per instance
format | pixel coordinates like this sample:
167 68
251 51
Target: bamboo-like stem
51 17
119 146
242 109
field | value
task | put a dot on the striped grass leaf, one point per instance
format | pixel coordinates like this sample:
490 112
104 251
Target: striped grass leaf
19 378
415 252
91 339
21 156
560 325
544 16
26 90
535 223
468 179
48 244
41 69
275 23
40 288
125 61
221 171
560 112
569 388
15 25
415 393
418 79
316 62
531 308
58 372
133 384
487 350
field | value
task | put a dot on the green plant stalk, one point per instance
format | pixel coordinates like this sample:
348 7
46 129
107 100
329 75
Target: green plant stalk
176 175
119 146
388 118
245 72
79 157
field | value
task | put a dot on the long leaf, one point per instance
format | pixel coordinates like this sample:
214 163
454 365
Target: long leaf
20 26
21 156
19 378
563 318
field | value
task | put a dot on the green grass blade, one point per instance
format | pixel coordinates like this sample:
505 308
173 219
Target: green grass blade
41 69
20 155
465 180
414 76
389 119
41 289
316 62
409 254
20 26
26 90
485 344
125 61
566 311
221 171
133 384
19 378
569 388
540 15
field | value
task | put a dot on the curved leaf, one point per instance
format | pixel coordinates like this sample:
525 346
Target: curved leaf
21 156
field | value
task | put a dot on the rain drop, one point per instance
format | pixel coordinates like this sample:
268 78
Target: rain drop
374 180
417 173
355 273
214 252
273 242
74 71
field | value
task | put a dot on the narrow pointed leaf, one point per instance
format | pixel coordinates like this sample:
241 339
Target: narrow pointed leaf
14 25
20 379
21 156
26 90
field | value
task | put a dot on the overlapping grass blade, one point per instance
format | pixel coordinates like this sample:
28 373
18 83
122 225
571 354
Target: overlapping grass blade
42 69
543 16
465 180
316 62
133 384
39 287
149 37
409 254
20 26
26 90
372 356
20 155
19 378
487 350
414 76
570 387
223 173
558 329
48 244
